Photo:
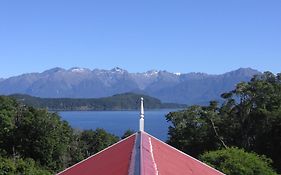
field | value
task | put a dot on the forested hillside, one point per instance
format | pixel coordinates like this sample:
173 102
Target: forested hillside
126 101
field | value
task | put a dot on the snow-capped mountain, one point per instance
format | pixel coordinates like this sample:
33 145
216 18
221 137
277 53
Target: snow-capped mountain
189 88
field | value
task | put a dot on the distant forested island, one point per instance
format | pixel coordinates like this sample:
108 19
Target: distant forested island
125 101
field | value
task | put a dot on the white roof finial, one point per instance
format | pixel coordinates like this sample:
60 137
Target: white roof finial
142 116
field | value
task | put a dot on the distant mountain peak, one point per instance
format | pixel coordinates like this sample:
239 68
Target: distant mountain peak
243 72
54 70
151 72
248 69
118 69
177 73
78 70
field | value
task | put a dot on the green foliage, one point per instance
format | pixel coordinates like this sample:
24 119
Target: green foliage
191 131
126 101
234 161
7 166
8 109
95 141
127 133
29 135
249 115
44 137
20 166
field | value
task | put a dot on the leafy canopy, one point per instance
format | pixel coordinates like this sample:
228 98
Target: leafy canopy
29 135
234 161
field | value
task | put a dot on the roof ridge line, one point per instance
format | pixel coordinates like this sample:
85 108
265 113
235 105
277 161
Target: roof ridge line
132 166
96 154
152 156
147 156
141 152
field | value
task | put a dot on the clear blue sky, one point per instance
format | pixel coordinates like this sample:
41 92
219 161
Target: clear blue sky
212 36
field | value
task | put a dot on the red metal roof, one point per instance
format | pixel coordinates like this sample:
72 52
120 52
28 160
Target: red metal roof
140 154
170 161
113 160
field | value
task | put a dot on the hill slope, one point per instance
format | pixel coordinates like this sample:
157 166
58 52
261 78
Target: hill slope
127 101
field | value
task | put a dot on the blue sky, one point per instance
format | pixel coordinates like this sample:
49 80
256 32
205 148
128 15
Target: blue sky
179 36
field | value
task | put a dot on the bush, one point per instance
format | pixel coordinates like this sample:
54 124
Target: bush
20 166
234 161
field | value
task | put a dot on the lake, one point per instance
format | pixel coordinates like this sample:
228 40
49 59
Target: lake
117 122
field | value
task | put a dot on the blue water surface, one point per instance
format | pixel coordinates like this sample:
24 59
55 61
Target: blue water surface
117 122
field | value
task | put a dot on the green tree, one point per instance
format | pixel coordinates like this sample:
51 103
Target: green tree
251 113
44 137
20 166
127 133
29 135
26 132
75 153
234 161
7 166
249 118
194 130
93 141
8 109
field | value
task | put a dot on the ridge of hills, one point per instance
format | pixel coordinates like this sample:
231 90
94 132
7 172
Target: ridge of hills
183 88
126 101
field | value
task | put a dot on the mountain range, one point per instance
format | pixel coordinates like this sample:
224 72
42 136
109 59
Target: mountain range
184 88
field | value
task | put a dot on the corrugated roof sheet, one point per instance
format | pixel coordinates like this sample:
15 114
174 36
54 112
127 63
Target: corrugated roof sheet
171 161
114 160
140 154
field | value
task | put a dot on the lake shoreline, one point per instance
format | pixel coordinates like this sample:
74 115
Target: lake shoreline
156 109
117 122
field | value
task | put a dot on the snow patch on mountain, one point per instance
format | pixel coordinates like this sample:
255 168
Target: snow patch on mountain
78 70
151 73
118 70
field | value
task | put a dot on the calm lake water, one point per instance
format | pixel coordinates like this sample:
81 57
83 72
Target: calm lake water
117 122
